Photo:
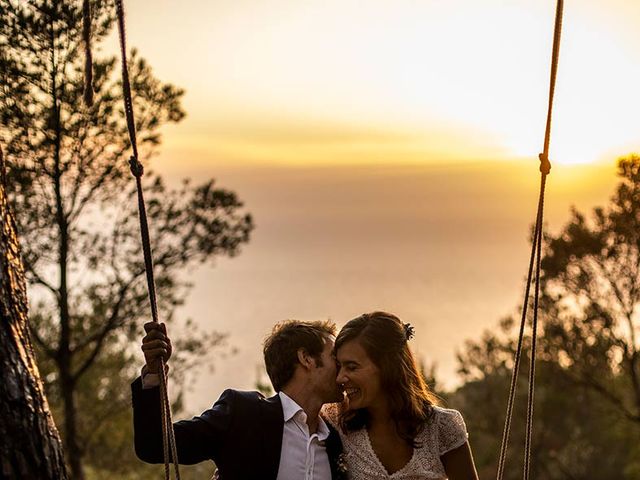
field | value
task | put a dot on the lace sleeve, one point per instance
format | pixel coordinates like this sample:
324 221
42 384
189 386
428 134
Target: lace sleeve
330 412
452 431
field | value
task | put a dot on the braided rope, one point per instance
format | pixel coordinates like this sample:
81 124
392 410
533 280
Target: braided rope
534 332
172 439
126 85
557 33
535 259
88 58
165 426
516 363
137 170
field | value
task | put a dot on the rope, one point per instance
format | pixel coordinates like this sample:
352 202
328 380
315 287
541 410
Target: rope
137 170
557 32
534 331
88 58
535 259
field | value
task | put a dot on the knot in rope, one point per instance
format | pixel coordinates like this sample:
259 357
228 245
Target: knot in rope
170 450
137 169
545 164
535 260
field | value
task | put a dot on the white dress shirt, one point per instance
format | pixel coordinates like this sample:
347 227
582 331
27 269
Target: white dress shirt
303 456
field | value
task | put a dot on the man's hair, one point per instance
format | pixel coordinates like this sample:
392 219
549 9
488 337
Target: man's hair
282 345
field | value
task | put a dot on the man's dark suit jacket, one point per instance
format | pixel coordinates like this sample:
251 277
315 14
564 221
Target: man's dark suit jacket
241 433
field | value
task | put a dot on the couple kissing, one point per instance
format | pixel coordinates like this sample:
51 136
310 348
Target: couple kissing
351 406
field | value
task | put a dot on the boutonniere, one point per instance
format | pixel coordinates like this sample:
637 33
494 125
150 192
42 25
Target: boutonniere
341 464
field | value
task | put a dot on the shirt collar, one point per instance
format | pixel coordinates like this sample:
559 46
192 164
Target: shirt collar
289 406
291 409
323 430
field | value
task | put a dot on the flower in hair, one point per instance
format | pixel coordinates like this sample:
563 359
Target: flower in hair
409 331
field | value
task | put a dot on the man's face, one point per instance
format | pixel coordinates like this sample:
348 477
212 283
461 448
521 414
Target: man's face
325 374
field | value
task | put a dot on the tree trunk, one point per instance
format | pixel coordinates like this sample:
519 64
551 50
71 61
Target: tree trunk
30 445
74 452
63 356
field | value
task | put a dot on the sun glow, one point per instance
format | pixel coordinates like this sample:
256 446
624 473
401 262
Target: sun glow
427 81
281 93
594 117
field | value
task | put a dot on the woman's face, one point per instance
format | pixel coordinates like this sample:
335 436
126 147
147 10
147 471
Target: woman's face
359 376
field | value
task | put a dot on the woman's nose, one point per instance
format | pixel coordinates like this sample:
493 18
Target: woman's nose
341 377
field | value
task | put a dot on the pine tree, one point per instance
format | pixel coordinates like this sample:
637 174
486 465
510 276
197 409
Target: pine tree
74 201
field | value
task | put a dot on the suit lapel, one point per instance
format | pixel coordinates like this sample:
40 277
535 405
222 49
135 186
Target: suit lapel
333 445
272 425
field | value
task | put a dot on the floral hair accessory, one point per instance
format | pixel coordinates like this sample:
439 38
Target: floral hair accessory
409 331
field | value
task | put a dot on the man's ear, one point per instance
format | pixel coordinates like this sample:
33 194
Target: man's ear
306 360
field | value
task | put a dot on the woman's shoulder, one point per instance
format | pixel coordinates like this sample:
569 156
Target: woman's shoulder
451 428
443 414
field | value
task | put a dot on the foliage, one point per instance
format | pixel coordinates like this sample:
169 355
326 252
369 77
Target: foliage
587 401
75 204
576 435
592 293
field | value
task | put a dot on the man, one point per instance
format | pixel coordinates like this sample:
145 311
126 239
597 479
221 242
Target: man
247 435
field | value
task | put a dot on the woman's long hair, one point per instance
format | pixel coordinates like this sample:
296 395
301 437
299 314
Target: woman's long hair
384 337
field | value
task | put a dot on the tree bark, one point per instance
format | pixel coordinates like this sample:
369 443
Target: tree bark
30 445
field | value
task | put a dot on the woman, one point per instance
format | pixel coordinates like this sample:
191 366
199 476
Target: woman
389 423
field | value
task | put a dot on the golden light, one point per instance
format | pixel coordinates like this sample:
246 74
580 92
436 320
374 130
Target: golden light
399 82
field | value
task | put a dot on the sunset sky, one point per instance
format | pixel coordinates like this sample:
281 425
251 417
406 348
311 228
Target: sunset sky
388 151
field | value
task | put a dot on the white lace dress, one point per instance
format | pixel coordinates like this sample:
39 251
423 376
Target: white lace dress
444 432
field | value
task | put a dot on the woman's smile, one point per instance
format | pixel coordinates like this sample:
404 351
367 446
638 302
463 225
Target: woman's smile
358 375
